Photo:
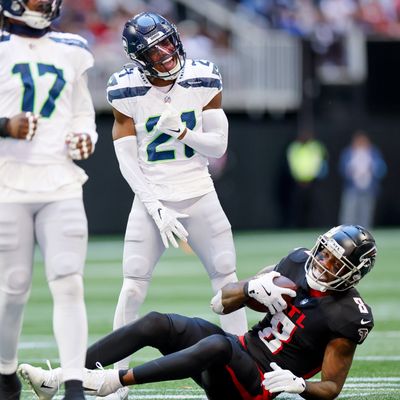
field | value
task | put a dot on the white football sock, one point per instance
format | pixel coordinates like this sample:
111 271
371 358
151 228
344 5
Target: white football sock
131 297
70 324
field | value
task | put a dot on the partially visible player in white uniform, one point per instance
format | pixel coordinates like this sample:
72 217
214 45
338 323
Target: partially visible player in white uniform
46 121
168 120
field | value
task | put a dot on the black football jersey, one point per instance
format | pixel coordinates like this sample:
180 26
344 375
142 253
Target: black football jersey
296 338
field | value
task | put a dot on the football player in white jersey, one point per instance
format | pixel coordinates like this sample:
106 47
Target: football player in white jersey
46 121
168 120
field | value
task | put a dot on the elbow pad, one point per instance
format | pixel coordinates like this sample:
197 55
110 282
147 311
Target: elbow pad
213 140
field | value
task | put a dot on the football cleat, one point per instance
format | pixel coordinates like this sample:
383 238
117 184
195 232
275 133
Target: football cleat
44 383
101 382
120 394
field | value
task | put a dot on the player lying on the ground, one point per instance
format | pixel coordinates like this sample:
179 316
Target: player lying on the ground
316 331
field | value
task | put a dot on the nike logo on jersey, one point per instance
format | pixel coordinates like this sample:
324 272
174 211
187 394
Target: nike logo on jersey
43 385
266 291
174 130
159 213
365 321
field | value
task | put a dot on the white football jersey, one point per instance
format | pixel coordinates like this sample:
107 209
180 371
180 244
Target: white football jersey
42 75
173 170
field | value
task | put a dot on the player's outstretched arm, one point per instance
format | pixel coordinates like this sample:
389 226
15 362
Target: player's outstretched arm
126 149
335 367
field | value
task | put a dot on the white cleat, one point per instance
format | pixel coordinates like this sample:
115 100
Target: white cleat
101 382
120 394
44 383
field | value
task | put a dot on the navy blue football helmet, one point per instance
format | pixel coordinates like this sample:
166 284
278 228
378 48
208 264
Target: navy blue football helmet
354 249
144 33
48 11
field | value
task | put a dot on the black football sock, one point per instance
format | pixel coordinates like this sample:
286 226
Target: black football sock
73 390
10 387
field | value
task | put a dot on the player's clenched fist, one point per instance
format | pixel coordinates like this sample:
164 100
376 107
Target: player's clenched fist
22 126
80 146
170 122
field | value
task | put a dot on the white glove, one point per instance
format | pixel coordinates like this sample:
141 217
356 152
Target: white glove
80 145
266 292
167 222
283 380
32 125
170 122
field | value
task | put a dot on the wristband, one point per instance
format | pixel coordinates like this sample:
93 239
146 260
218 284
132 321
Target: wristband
3 127
246 289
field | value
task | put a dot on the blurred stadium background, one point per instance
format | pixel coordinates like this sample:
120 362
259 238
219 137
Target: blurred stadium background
288 66
326 66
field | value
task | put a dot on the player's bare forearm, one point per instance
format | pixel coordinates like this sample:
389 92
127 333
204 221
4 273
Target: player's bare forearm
233 296
123 125
336 365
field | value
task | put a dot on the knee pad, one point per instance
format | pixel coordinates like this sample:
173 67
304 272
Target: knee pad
137 266
17 281
223 264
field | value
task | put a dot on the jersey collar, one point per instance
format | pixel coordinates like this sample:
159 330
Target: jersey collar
24 30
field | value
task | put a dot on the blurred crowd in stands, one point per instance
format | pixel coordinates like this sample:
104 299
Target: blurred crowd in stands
101 21
207 33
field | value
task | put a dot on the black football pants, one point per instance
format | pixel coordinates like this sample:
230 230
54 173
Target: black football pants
192 348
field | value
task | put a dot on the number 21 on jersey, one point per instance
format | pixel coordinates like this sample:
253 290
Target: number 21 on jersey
154 154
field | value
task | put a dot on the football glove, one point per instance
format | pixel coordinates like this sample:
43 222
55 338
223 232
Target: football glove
80 145
283 380
170 122
266 292
168 224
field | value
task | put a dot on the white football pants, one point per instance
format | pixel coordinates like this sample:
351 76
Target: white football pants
60 229
210 237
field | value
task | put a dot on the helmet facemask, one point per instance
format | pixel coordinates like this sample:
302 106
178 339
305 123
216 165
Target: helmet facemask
344 271
168 49
41 18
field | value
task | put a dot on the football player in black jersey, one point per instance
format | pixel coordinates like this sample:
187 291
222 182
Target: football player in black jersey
318 330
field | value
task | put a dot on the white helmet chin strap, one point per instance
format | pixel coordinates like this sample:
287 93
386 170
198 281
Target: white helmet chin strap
34 19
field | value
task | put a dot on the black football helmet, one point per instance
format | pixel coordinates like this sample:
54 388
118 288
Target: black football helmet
48 11
355 249
146 30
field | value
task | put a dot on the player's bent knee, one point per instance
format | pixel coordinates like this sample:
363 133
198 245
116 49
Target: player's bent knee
17 281
134 290
67 288
154 322
218 346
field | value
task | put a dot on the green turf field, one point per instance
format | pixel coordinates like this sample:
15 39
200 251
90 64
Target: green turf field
180 285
